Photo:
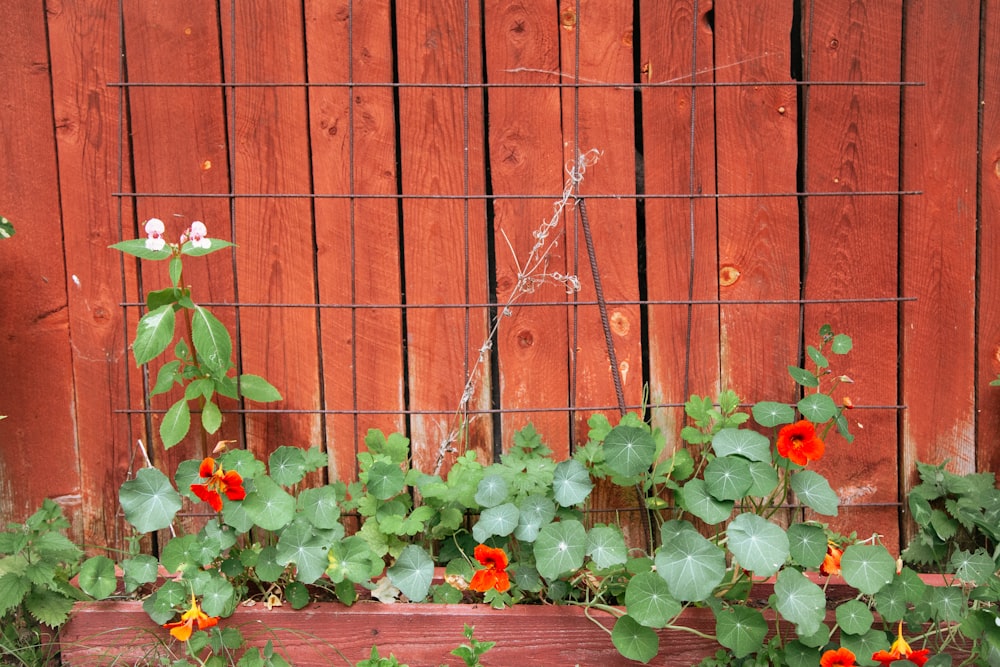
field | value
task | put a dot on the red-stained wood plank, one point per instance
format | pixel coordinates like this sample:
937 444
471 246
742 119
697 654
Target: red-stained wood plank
596 45
38 432
852 146
445 239
179 146
939 238
275 258
681 242
758 236
357 241
525 135
988 431
84 51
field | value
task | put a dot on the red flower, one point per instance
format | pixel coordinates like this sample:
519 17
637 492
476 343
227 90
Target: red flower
183 628
799 443
219 481
842 657
494 572
831 563
900 650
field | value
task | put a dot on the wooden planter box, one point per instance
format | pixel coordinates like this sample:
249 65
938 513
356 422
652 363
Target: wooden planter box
101 633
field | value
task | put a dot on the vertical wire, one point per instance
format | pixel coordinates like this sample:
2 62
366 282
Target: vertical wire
804 151
466 191
356 425
692 178
232 216
576 236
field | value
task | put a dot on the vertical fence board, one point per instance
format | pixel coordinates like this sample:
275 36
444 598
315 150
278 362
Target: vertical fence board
36 363
357 240
939 238
179 146
758 236
526 158
83 43
988 298
852 146
445 239
275 234
681 242
597 47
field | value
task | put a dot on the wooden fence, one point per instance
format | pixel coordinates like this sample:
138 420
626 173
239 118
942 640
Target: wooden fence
764 167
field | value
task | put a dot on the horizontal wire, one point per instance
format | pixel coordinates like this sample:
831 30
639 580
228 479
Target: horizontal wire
501 197
542 304
625 85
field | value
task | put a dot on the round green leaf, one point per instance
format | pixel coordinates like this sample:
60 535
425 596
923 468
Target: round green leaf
818 408
287 465
211 341
491 491
218 596
765 479
320 507
268 505
740 629
800 601
154 333
807 544
301 544
695 498
815 492
385 480
533 513
412 573
842 344
629 450
649 602
267 567
350 559
728 477
974 568
97 577
867 567
854 617
149 501
634 641
691 565
500 520
160 605
606 546
771 414
748 444
571 483
759 545
865 644
560 548
138 570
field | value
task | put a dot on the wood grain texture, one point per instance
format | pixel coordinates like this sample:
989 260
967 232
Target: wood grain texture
84 52
36 364
852 146
275 259
353 150
179 146
758 236
680 234
526 158
988 343
939 240
445 239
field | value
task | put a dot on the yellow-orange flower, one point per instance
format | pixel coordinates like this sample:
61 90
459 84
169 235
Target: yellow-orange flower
841 657
831 562
182 629
900 650
494 572
219 481
799 443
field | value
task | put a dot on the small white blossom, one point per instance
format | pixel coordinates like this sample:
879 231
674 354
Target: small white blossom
154 234
198 235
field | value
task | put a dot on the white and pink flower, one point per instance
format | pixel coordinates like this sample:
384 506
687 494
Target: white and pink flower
154 234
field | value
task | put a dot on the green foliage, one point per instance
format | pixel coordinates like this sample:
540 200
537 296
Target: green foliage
37 562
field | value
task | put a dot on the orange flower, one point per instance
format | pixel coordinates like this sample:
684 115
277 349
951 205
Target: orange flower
218 482
799 443
831 563
183 628
842 657
494 572
900 650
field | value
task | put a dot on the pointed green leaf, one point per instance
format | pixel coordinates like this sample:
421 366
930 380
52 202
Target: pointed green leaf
634 641
817 357
149 501
13 588
629 450
176 423
560 548
154 333
48 606
691 565
758 545
197 251
137 248
211 417
748 444
211 341
412 573
815 492
740 629
571 483
166 377
258 389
